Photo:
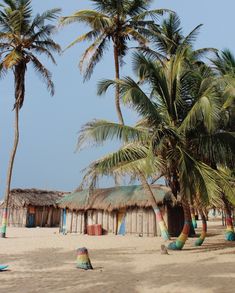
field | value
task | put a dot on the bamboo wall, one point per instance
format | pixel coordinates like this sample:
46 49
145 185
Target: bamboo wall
139 221
16 217
44 216
75 222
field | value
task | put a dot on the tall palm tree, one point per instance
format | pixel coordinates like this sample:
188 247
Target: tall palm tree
115 21
224 67
181 102
22 38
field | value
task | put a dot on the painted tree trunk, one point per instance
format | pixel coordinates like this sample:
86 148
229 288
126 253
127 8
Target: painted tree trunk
161 223
19 74
159 219
180 241
202 237
9 174
194 222
117 90
229 233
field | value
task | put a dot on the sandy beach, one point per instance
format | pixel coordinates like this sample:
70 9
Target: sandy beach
42 260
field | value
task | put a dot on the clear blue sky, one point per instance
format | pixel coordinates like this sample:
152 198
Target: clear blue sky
49 125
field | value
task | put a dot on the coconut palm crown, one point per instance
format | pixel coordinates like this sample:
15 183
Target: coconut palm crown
115 21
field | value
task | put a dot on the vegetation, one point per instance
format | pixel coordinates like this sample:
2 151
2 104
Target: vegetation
185 102
181 119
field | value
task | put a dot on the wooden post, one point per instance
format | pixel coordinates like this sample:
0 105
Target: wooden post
145 223
80 222
83 222
111 223
134 221
71 222
115 220
42 215
49 218
105 222
140 222
100 217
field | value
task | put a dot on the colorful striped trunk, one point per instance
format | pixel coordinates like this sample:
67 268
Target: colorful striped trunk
229 233
194 222
202 237
4 223
180 241
157 211
161 223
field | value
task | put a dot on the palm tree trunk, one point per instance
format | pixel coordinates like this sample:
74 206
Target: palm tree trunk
117 90
194 222
229 234
180 241
19 74
157 211
9 174
202 237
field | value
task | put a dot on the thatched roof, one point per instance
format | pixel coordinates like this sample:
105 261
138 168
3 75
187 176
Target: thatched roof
35 197
115 198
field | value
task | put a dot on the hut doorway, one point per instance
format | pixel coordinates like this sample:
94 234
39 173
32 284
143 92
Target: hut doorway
31 217
121 222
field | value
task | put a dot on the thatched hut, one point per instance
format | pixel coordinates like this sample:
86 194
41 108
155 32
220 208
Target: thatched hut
33 207
120 210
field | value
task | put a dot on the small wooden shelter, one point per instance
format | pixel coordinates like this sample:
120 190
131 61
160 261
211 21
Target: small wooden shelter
122 210
33 208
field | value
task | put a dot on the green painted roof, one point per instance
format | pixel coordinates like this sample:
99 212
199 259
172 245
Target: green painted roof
115 198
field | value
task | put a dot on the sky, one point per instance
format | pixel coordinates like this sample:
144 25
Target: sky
49 126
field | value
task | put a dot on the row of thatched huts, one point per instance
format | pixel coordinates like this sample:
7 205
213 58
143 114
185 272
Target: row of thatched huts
33 207
124 210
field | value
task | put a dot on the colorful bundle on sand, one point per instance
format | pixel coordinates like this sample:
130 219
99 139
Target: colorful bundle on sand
3 267
229 234
83 261
161 223
180 241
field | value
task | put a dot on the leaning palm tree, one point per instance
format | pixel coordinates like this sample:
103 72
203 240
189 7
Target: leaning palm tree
22 38
181 101
115 21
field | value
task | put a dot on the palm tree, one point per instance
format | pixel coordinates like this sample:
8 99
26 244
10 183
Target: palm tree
115 21
181 102
22 38
167 39
224 68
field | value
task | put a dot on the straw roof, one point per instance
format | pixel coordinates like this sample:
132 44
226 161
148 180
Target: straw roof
35 197
115 198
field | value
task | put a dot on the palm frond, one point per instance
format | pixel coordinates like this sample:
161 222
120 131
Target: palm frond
91 35
99 131
43 73
96 20
92 56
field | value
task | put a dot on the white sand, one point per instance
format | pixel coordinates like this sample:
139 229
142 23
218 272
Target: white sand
42 260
